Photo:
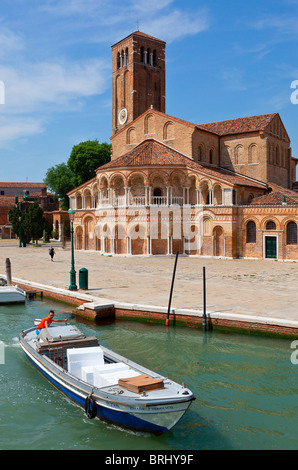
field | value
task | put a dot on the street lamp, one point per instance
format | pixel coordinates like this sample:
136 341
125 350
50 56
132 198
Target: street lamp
72 285
20 232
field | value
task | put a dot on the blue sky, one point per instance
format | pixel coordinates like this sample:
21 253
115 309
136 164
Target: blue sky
225 59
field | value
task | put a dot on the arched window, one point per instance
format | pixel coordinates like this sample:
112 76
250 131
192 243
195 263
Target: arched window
126 57
157 196
168 131
277 162
154 58
200 153
118 60
292 233
131 136
238 154
251 232
252 153
211 156
271 225
142 55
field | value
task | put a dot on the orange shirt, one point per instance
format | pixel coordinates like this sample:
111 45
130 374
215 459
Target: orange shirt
42 323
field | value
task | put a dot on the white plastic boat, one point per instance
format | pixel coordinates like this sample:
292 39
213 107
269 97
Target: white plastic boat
11 294
106 384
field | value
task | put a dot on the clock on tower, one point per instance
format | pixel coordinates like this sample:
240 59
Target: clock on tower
138 77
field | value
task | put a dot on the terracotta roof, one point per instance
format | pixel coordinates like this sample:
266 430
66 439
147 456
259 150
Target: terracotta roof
277 197
7 201
82 185
22 185
239 125
153 153
139 33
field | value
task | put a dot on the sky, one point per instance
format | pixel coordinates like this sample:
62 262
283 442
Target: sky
224 60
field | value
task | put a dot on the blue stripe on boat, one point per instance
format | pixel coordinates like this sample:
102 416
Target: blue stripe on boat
117 417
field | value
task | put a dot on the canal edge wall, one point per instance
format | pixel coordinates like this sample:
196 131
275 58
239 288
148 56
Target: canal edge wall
96 308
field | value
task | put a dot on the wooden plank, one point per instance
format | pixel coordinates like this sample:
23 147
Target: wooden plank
81 343
32 293
141 383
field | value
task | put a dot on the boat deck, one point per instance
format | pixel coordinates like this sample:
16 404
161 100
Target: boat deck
54 342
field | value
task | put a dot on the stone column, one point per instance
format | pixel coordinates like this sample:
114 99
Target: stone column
211 196
150 194
199 197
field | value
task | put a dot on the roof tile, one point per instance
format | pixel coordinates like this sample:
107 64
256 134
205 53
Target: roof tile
153 153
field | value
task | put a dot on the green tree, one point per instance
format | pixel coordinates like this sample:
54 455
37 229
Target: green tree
14 215
59 180
35 222
85 158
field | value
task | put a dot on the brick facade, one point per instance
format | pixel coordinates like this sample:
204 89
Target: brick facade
138 64
215 189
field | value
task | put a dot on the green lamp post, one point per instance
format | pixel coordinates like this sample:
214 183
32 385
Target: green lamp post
72 285
20 232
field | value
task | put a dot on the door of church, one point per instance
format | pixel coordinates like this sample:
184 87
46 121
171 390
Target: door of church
270 247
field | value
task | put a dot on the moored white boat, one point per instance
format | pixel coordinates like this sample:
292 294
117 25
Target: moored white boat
11 294
105 383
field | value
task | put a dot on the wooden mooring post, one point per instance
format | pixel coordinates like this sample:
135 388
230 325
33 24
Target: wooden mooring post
171 292
8 271
204 300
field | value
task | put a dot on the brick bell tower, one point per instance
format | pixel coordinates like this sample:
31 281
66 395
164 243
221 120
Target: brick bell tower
138 63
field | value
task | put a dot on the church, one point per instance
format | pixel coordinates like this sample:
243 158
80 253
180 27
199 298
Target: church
220 189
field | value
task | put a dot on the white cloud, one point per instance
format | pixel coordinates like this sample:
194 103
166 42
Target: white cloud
175 25
108 21
285 25
69 7
35 86
143 6
10 42
15 128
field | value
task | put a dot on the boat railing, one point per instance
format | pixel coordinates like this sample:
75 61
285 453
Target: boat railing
54 351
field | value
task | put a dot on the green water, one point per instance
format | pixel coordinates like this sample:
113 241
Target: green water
246 389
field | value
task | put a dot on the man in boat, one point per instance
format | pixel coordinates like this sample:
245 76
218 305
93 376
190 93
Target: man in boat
45 322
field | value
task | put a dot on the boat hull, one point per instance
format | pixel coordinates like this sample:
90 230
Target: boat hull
155 418
11 295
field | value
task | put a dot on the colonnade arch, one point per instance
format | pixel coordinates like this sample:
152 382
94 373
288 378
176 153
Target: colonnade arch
163 187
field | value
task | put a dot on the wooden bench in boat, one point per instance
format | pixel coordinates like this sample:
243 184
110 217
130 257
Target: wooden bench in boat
141 383
66 344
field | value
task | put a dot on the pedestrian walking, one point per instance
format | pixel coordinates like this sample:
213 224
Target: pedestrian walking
51 253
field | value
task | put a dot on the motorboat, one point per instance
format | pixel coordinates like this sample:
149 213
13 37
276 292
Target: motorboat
106 384
11 294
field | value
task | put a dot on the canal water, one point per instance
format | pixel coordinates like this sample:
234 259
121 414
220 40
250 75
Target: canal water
245 388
